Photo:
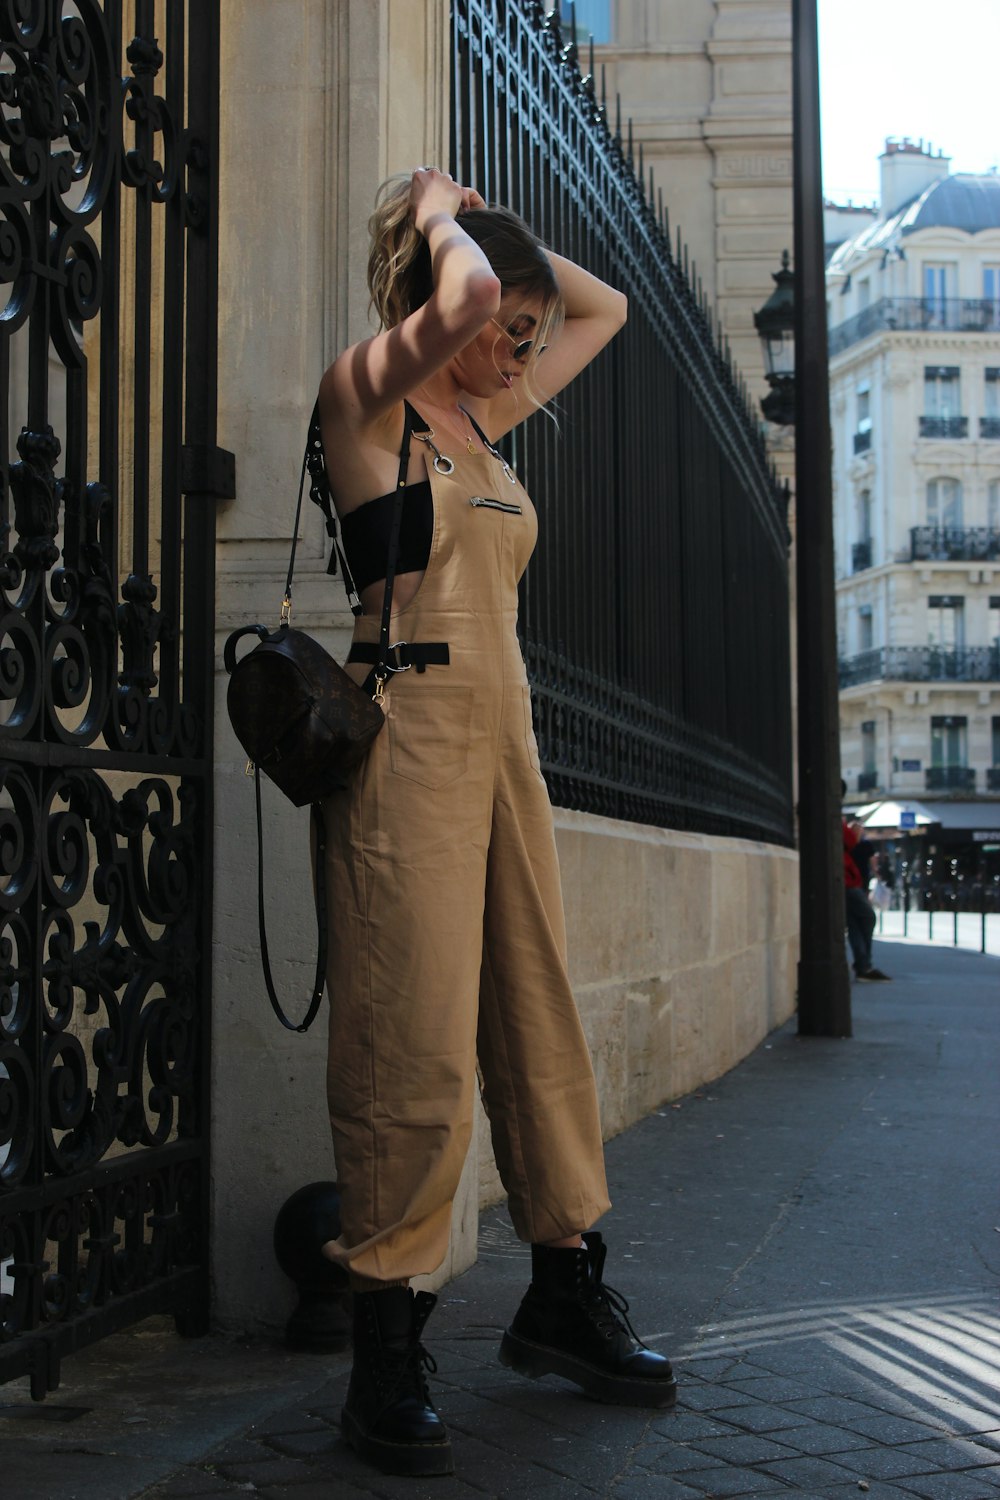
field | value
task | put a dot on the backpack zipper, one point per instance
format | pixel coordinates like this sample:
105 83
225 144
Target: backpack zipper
488 504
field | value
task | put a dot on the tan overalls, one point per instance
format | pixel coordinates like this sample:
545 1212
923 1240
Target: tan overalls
447 936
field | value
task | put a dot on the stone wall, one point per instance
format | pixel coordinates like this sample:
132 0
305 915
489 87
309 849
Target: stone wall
682 955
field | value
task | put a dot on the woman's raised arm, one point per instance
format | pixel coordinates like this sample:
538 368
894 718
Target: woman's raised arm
594 313
374 375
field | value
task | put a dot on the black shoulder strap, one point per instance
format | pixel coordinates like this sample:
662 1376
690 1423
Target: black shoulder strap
319 494
318 832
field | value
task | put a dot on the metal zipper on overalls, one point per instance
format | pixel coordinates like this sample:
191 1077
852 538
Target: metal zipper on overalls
489 504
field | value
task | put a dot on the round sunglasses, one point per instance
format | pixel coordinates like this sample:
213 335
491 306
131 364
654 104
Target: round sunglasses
521 347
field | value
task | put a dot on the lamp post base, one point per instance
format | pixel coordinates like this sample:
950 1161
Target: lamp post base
824 997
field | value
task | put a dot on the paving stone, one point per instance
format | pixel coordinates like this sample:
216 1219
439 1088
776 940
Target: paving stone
305 1444
951 1453
635 1486
712 1367
267 1471
292 1420
839 1411
877 1490
688 1426
806 1474
893 1430
968 1486
744 1448
337 1488
766 1418
712 1397
885 1463
819 1438
776 1388
671 1458
724 1483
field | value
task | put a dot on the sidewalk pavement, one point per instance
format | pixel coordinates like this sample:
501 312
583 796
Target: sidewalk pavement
813 1239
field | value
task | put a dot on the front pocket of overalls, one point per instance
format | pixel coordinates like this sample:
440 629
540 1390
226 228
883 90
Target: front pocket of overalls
529 732
429 734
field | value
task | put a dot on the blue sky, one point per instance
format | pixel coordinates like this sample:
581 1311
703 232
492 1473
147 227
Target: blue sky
922 68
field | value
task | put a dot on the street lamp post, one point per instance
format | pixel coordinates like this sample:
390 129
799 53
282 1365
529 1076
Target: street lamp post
792 328
824 985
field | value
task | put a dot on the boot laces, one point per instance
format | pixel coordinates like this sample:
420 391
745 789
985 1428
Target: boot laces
608 1311
404 1371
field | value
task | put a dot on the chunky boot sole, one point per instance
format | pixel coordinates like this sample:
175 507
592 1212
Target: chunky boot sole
535 1360
413 1459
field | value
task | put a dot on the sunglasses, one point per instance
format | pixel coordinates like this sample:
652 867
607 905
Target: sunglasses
521 347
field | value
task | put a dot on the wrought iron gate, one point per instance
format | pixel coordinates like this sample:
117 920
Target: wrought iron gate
108 256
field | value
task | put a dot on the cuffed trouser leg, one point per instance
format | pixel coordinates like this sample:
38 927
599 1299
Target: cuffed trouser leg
537 1076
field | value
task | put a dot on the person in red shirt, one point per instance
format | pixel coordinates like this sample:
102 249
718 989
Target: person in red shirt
860 914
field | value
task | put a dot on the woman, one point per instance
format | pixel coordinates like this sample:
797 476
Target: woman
447 934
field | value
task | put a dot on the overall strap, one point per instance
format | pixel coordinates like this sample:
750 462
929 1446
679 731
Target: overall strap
411 421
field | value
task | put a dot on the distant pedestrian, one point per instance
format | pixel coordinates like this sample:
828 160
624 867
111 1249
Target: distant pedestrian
859 911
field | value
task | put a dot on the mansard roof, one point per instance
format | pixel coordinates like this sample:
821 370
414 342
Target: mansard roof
966 201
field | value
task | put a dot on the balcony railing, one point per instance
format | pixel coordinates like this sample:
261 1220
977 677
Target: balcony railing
921 664
867 781
908 314
954 543
951 778
863 441
989 427
993 778
861 556
944 427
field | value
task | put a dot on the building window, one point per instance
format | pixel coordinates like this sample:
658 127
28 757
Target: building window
939 285
946 621
863 419
991 287
866 632
993 504
864 294
996 741
949 740
593 19
990 424
944 502
865 516
994 625
942 391
868 746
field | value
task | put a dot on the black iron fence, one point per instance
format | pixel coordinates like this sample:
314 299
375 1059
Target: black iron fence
655 618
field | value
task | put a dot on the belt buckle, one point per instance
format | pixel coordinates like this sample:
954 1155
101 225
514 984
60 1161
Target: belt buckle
394 670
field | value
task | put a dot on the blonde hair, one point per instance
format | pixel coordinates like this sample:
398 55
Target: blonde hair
400 277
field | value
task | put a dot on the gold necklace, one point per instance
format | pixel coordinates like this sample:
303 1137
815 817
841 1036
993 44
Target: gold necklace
470 445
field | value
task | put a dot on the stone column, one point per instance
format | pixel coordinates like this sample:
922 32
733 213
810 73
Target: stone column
320 101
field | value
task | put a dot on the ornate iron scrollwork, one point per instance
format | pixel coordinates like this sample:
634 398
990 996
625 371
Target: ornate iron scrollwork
103 772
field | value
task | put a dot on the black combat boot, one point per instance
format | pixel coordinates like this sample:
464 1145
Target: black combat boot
388 1418
571 1324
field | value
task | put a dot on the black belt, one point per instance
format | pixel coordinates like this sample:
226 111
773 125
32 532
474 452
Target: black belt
403 655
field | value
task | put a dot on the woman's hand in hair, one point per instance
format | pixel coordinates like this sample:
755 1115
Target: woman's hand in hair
433 193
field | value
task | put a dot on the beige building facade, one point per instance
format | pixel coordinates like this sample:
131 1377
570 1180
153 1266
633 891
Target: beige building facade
708 87
683 946
915 393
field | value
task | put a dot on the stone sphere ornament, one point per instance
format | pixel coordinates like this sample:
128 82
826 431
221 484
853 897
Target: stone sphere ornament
306 1221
